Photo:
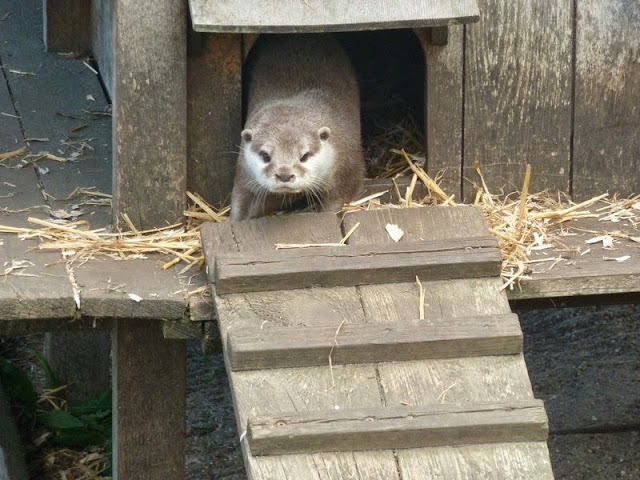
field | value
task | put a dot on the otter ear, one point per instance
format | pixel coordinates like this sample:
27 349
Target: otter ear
246 135
324 132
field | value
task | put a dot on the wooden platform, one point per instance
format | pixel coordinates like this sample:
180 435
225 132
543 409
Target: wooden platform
430 411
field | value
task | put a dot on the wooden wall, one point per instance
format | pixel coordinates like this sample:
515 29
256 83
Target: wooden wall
554 83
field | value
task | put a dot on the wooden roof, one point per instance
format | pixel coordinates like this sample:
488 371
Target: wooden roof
295 16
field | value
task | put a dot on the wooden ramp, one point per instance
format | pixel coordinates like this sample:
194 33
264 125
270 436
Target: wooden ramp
334 375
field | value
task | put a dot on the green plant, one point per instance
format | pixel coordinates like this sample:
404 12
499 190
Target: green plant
87 423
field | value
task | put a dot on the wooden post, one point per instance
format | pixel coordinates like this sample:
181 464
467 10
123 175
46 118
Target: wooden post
214 115
149 182
149 402
443 105
81 360
66 25
150 112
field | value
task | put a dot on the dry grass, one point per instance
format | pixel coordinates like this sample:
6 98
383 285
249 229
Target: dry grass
522 222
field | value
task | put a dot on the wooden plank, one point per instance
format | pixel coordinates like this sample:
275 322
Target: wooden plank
373 342
150 112
214 116
289 16
356 265
292 389
148 414
66 25
455 380
133 289
398 428
48 121
443 86
606 155
583 269
518 95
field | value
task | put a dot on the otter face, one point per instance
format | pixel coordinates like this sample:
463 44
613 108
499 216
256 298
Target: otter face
289 159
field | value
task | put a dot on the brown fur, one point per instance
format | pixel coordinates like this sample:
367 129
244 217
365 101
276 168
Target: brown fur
299 86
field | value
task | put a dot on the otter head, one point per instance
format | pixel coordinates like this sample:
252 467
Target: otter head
288 157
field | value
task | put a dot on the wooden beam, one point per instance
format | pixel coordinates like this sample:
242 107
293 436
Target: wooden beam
150 112
66 25
148 402
398 427
355 265
283 347
293 16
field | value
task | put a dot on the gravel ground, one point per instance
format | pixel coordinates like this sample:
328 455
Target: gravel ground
584 362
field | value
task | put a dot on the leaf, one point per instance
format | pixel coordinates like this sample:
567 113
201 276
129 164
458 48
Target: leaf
60 420
18 388
52 379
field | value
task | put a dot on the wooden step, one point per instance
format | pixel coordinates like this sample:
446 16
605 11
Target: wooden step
295 16
284 347
351 265
398 428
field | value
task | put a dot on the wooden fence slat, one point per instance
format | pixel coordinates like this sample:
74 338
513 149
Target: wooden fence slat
518 95
606 155
398 427
355 265
249 349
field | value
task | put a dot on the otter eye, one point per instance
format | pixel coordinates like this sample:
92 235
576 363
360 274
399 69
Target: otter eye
266 158
305 157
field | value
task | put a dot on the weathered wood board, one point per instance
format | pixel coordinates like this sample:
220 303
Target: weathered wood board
606 154
373 342
278 391
288 16
444 107
150 112
517 100
398 428
214 116
354 265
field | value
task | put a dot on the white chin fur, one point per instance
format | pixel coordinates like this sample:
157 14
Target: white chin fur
318 167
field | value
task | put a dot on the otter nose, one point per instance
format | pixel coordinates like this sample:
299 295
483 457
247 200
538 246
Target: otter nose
285 177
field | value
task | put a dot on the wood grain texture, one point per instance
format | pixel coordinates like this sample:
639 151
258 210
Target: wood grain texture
592 273
296 389
443 85
150 112
456 380
149 402
372 342
288 16
66 25
606 153
214 116
355 265
398 428
518 95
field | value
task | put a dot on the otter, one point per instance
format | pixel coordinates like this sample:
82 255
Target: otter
301 139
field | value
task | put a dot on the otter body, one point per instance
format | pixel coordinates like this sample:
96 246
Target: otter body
301 140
